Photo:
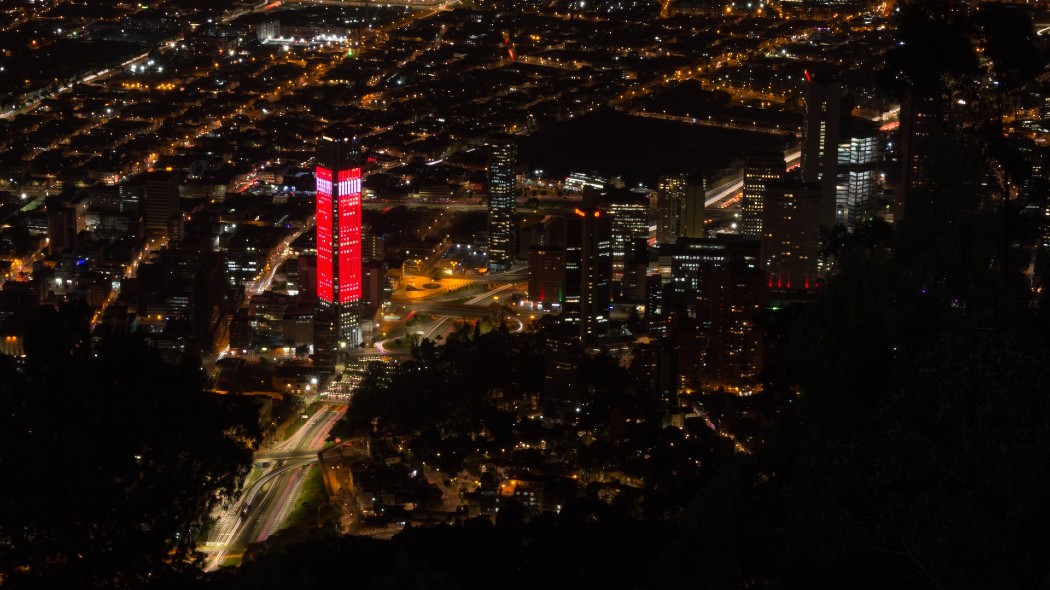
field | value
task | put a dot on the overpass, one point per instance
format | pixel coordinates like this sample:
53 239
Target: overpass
282 455
457 310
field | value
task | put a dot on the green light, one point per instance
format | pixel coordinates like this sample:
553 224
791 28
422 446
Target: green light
349 52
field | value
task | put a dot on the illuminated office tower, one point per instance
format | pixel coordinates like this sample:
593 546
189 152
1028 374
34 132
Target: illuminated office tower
679 208
503 155
858 159
670 198
339 234
759 168
630 227
588 270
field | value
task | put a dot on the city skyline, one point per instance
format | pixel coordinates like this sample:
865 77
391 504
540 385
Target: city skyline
655 294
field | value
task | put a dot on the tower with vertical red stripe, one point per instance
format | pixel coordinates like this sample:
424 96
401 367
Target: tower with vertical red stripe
338 174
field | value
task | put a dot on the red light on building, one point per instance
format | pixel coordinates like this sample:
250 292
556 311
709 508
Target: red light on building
325 274
338 281
339 249
349 199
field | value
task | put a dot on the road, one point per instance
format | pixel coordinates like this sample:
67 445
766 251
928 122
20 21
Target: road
441 325
264 504
753 127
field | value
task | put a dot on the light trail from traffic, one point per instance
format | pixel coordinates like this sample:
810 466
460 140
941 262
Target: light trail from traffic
262 507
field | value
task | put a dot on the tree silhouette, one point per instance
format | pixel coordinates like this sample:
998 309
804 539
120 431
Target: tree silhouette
115 458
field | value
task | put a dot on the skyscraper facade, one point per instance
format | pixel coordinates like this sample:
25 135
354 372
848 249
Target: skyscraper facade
588 270
161 193
679 208
61 228
546 275
791 234
630 227
759 168
734 343
858 159
820 140
338 175
917 115
502 240
670 200
695 203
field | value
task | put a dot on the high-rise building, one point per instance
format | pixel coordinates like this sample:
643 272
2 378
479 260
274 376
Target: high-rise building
547 275
588 270
372 244
690 258
306 266
654 303
240 330
759 168
502 240
691 340
630 225
194 277
693 214
670 203
561 371
635 271
162 200
338 175
373 281
858 159
820 140
61 227
655 368
679 208
916 116
326 340
791 234
734 342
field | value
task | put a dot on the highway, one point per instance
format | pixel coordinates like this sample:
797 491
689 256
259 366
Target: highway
724 188
264 504
469 307
440 326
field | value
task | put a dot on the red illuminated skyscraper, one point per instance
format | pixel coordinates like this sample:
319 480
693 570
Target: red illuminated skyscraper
339 233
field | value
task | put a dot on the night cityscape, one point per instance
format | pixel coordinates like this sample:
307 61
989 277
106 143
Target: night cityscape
449 294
